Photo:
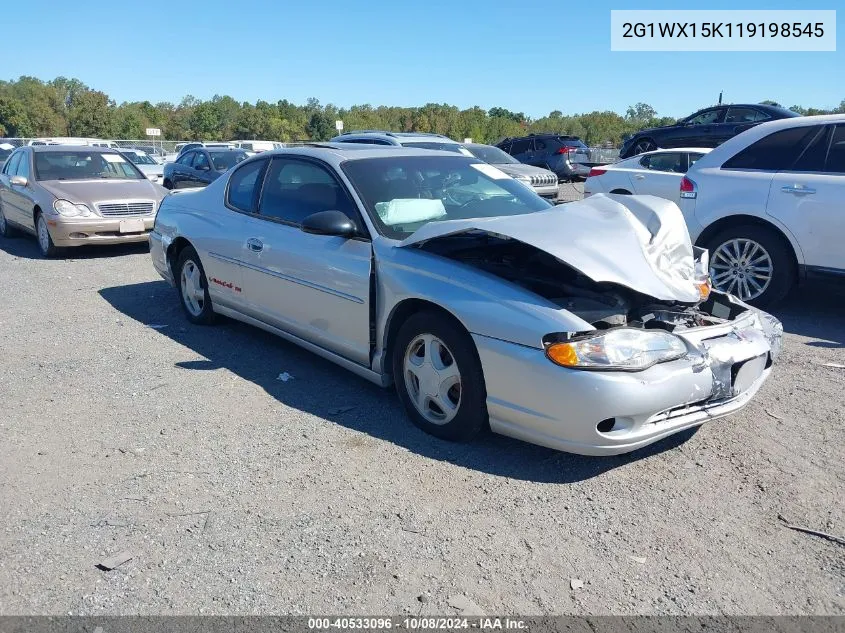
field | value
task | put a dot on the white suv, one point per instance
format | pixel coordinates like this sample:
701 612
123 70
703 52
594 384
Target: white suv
769 205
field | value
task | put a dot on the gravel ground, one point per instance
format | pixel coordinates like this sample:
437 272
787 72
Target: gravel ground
123 428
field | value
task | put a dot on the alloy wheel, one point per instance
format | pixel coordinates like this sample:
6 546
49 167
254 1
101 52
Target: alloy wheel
43 235
432 379
644 146
741 267
193 293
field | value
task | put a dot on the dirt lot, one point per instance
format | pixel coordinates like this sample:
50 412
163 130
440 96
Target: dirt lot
238 493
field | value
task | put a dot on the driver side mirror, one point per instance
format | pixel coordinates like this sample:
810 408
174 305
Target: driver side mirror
18 180
202 168
330 222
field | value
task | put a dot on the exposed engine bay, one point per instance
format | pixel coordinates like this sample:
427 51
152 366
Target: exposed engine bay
603 305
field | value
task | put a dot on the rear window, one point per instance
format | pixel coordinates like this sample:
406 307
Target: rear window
774 152
225 160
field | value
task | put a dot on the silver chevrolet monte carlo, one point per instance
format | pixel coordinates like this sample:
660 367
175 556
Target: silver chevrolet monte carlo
588 327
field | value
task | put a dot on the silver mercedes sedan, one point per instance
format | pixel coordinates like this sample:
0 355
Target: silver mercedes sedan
69 196
589 327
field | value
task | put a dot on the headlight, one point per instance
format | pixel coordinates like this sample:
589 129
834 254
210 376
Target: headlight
618 349
70 210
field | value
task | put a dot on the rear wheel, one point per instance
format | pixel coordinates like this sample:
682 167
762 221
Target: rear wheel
6 229
753 263
45 242
167 184
439 378
193 288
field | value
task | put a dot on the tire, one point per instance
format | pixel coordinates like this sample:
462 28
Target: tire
641 146
6 229
443 342
45 241
768 254
621 192
167 184
192 286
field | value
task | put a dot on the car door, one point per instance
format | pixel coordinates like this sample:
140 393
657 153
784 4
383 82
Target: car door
809 198
316 287
224 237
521 149
737 120
660 175
9 197
700 130
24 195
202 172
181 174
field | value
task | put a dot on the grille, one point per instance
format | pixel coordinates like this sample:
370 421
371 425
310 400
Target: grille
128 208
538 181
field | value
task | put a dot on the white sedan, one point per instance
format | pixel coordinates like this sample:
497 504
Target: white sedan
657 173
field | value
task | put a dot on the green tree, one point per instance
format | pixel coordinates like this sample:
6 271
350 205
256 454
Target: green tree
320 127
89 114
13 118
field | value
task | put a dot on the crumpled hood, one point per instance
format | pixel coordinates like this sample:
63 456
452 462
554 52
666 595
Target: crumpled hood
92 192
520 169
642 244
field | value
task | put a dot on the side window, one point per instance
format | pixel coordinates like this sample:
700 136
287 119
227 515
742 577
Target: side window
744 115
23 166
294 189
505 147
668 161
201 161
693 158
185 159
10 169
707 117
539 145
245 185
774 152
836 154
814 154
520 146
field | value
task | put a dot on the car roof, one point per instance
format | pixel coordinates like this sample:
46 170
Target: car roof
70 148
398 137
739 142
336 153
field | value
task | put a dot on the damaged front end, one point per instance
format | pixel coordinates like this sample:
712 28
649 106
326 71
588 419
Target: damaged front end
631 275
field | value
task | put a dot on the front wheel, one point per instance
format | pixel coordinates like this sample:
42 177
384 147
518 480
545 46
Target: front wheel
752 263
439 378
193 288
644 145
45 241
167 184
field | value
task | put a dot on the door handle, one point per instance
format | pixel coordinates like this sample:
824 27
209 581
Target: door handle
639 176
797 189
255 245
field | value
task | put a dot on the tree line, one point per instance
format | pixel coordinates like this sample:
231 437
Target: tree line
30 107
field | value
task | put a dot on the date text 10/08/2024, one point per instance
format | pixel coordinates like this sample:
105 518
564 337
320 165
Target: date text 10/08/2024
422 623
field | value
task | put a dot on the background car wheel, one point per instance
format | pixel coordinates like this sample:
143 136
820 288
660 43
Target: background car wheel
6 229
45 242
439 378
621 192
167 184
193 288
753 263
643 145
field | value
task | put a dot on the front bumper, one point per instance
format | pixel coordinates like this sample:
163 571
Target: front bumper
80 231
547 191
530 398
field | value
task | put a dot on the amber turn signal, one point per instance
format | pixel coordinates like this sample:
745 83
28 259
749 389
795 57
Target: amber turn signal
562 354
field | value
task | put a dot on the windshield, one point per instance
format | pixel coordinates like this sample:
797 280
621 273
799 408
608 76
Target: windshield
139 159
80 165
448 147
4 153
404 193
490 154
224 160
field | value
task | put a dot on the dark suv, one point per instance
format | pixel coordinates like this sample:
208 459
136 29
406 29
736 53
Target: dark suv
567 156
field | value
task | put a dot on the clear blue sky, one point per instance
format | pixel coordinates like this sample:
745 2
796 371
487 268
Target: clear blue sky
526 55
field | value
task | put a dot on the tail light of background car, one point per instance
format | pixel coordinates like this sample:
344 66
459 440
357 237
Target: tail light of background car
596 171
565 150
688 188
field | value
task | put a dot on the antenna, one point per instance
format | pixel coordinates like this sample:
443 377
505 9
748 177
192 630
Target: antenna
720 97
